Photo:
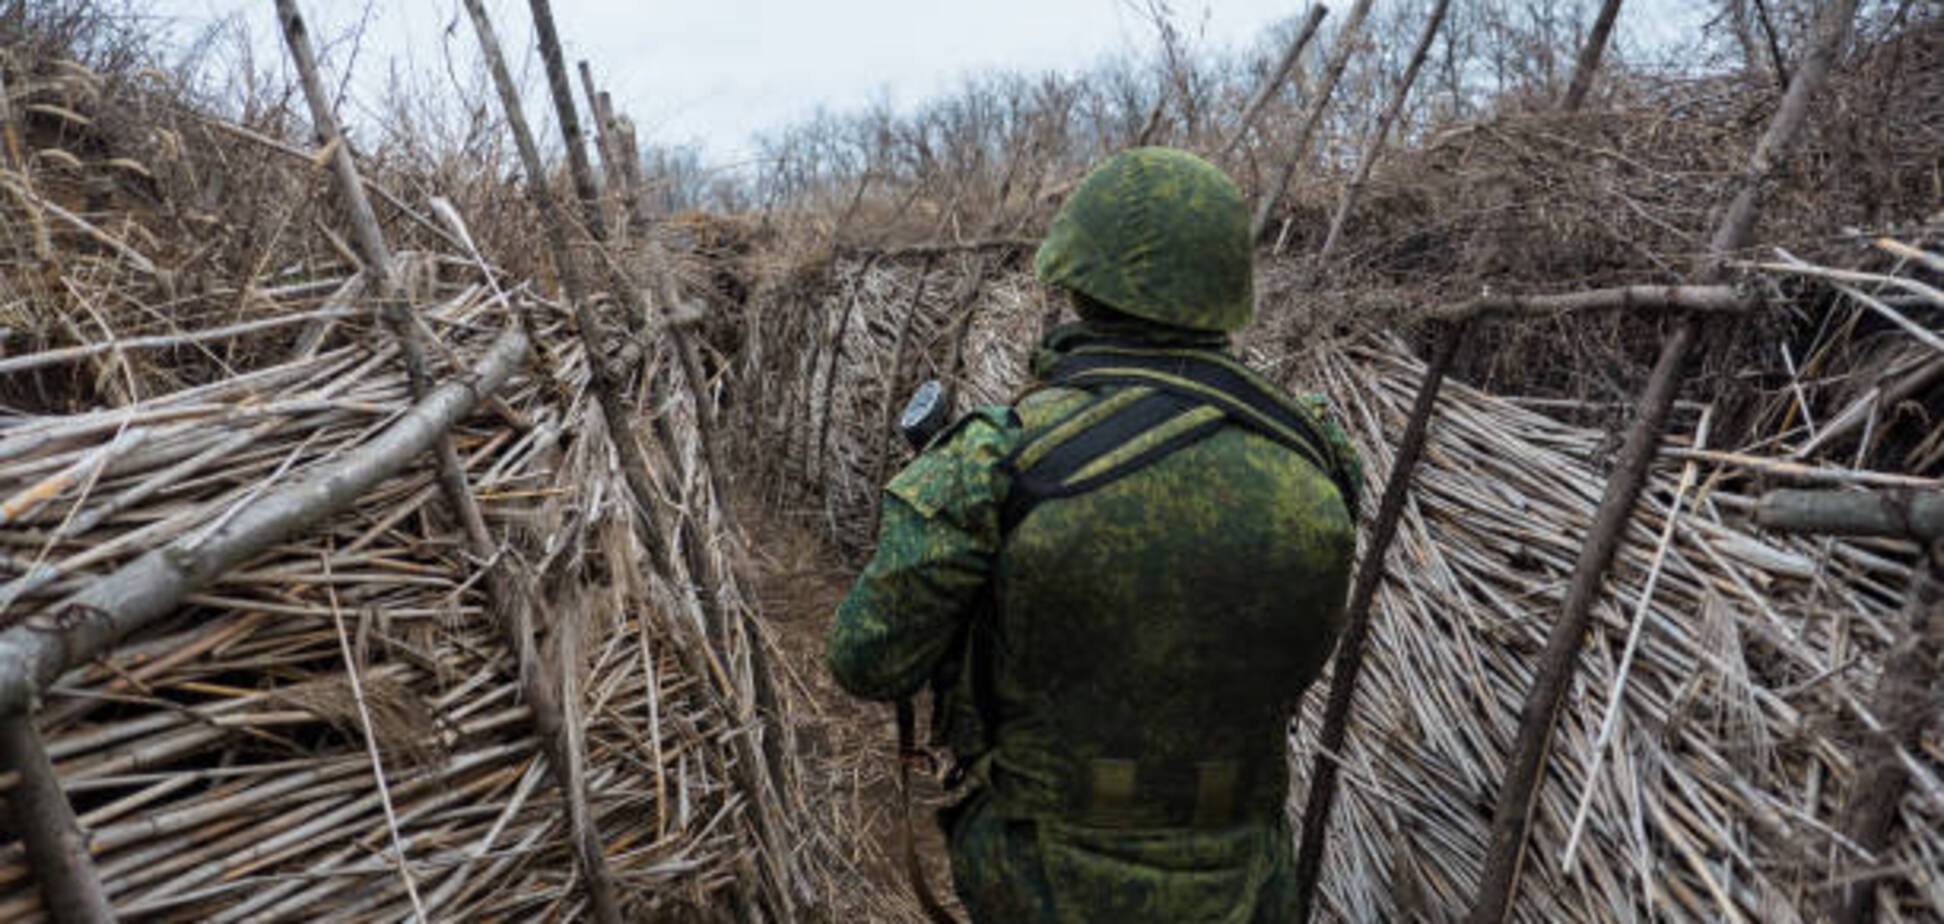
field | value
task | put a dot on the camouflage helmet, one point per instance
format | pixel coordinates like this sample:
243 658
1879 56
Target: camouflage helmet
1158 234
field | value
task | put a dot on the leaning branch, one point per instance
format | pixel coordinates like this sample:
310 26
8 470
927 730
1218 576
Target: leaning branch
37 650
1375 146
1276 78
1588 65
1912 514
1339 59
1356 631
1718 298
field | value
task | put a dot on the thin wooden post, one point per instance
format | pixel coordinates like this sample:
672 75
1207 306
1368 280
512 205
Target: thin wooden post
750 766
1276 78
1375 146
1538 718
628 148
1332 71
583 176
1356 629
1588 64
57 851
608 182
540 685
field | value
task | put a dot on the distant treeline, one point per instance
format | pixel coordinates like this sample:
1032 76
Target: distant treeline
1002 139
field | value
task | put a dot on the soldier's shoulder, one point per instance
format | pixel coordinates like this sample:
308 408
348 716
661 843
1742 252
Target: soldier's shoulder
955 466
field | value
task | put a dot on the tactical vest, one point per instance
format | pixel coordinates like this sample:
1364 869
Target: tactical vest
1178 542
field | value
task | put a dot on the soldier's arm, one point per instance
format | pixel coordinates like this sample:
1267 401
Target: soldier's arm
937 539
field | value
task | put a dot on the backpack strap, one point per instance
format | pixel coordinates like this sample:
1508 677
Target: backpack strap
1217 379
1107 439
1170 399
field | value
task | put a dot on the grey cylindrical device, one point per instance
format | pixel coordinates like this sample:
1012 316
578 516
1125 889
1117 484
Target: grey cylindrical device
928 411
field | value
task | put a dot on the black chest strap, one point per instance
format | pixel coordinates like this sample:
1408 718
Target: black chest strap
1167 399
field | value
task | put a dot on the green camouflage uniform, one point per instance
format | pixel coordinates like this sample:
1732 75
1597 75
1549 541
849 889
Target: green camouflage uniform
1120 667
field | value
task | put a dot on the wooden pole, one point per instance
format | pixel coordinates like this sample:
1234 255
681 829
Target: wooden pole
583 176
1276 78
1725 299
1375 146
540 684
604 381
57 851
1519 793
1332 71
1588 63
1854 513
702 565
628 148
608 181
1356 630
614 411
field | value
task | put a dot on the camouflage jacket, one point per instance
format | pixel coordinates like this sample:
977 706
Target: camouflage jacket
1143 644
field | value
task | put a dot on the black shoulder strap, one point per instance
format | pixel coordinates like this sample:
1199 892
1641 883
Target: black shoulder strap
1214 378
1169 400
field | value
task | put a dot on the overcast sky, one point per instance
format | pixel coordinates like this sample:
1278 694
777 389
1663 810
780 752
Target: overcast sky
716 71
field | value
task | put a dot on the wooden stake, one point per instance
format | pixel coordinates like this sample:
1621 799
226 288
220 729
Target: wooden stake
1356 630
57 851
614 409
540 685
1332 71
1519 793
669 296
1276 78
1588 64
1854 513
603 138
1375 146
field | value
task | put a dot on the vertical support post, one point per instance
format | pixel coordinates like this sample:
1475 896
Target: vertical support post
1525 774
56 849
608 182
1356 630
753 770
540 686
1588 64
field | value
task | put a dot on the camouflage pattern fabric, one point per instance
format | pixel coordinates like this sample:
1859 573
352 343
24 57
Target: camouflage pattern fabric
1146 643
1158 234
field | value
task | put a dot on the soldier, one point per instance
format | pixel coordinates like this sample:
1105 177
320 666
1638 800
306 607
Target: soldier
1119 587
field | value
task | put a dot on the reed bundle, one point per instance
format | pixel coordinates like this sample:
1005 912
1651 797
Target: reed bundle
335 728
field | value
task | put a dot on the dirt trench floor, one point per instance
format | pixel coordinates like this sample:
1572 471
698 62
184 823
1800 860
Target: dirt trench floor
846 746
